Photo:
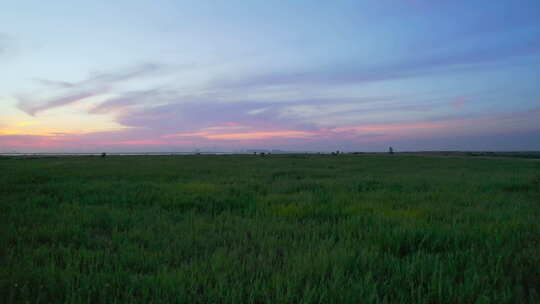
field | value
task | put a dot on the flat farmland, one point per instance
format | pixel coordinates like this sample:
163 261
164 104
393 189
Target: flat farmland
273 229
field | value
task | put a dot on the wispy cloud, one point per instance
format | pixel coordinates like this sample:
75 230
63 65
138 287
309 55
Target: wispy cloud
126 100
96 84
428 64
193 113
56 83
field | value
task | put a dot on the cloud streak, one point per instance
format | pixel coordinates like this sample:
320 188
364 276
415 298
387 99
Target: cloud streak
441 63
95 85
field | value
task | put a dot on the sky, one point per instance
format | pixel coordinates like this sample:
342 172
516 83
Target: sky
151 76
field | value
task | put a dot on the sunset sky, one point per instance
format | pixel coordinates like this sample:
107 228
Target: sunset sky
92 76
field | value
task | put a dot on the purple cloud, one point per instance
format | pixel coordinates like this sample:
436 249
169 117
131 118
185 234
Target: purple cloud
363 137
191 113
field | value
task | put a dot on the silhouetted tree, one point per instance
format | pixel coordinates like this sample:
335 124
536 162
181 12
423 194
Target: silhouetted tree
390 150
103 154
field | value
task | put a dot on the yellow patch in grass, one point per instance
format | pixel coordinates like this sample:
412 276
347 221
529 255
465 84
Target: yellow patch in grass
200 188
378 209
287 210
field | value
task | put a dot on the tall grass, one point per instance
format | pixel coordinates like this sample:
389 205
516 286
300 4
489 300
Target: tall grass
278 229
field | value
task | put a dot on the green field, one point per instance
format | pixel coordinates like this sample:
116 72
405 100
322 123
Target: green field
274 229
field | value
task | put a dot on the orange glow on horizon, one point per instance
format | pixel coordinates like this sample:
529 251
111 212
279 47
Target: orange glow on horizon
248 135
229 132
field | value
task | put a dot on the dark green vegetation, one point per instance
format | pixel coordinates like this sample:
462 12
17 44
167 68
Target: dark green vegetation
274 229
534 155
529 154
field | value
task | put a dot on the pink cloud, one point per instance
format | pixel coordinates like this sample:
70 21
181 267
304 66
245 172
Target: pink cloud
235 135
257 135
